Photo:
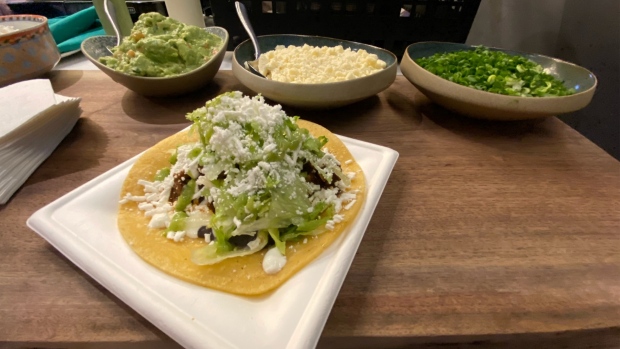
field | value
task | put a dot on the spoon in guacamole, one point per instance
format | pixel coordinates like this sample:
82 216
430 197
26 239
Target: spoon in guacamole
108 8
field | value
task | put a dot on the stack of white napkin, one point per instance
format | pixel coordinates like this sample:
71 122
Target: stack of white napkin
33 121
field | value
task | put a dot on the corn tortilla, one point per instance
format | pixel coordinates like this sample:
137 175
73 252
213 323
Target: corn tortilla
239 275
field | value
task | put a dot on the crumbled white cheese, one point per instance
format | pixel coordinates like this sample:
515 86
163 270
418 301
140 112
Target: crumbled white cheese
350 204
159 220
178 236
311 65
128 197
254 180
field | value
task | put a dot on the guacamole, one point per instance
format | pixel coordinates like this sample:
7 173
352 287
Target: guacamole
160 46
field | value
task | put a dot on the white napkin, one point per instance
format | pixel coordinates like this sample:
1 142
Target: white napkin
33 121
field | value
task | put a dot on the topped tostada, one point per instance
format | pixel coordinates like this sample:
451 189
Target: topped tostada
243 199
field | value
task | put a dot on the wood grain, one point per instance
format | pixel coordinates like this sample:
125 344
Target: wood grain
492 234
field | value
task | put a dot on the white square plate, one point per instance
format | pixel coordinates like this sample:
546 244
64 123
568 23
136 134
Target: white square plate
82 225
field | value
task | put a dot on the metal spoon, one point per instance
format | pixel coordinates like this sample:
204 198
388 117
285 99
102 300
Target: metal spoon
245 21
110 11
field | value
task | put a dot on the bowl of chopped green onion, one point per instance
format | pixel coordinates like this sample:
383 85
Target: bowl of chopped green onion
494 83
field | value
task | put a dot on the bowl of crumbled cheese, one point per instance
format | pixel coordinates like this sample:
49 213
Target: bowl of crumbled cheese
315 71
27 48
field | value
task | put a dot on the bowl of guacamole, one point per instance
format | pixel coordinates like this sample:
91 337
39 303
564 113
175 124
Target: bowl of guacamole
161 56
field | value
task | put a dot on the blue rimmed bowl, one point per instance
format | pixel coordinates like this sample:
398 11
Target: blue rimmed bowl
321 95
487 105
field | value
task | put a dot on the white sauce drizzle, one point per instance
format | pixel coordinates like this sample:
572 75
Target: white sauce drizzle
274 261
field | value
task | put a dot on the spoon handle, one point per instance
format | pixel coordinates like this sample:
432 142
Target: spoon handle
110 11
245 21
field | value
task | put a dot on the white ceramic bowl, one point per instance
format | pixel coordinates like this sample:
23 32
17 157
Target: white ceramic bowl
324 95
487 105
96 47
28 52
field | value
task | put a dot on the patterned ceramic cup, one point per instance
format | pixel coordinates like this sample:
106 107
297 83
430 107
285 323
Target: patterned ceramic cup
28 52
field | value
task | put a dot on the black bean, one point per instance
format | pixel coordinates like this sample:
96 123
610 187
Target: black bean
242 240
203 231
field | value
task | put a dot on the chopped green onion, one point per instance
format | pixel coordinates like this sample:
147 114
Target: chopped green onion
495 71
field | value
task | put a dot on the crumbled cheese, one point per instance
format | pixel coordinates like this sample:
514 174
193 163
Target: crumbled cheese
128 197
178 236
146 206
348 162
350 204
305 240
311 65
264 165
159 220
225 140
338 218
255 179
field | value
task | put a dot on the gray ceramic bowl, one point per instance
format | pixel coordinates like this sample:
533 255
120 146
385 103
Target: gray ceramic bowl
325 95
487 105
96 47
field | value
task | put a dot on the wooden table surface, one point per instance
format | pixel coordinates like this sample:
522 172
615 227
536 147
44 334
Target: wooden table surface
488 234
